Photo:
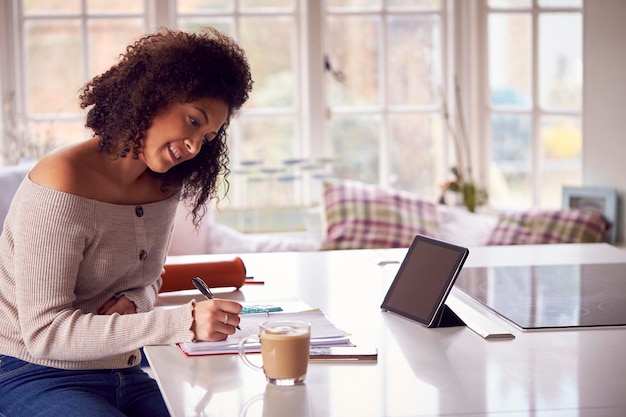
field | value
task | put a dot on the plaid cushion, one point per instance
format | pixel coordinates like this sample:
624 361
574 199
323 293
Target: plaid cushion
361 216
550 226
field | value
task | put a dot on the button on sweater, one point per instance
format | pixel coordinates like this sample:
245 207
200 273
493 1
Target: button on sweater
62 257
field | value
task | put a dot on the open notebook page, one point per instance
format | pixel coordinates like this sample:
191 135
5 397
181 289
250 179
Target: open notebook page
323 333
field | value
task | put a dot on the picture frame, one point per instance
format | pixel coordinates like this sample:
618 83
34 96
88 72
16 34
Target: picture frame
601 199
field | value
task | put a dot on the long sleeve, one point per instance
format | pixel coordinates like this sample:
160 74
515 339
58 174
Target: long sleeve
144 297
62 257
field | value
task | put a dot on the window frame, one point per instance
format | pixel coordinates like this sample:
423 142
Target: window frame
384 110
464 34
310 109
13 88
306 80
477 40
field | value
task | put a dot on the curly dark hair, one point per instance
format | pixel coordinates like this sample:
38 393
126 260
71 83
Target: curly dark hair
156 71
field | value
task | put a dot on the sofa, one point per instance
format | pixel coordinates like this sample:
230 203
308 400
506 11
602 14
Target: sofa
354 215
359 215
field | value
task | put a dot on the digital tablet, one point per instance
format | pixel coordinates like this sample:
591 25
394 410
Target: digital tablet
424 280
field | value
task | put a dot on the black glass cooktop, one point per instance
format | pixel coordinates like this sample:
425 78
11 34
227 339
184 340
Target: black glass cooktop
551 296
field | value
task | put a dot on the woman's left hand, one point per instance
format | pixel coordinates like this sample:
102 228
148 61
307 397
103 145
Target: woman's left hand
120 305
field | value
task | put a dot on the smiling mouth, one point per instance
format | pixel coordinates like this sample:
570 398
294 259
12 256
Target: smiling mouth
173 151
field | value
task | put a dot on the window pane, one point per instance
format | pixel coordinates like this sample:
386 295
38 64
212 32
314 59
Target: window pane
198 24
414 60
265 188
55 133
354 3
261 4
416 153
511 171
53 51
509 3
50 6
510 60
107 39
204 5
268 142
270 61
354 51
29 141
560 60
561 3
126 6
422 4
355 145
561 141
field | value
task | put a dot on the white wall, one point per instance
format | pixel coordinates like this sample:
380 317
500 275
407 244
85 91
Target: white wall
604 122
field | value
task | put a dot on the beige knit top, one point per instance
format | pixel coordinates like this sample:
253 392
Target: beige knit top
63 256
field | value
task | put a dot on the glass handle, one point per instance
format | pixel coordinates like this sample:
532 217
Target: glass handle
242 351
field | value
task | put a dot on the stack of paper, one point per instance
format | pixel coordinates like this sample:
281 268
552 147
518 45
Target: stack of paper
323 333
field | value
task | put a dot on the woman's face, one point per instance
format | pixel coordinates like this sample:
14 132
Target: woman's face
177 134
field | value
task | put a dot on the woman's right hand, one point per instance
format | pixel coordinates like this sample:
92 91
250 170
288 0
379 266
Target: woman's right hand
121 305
215 319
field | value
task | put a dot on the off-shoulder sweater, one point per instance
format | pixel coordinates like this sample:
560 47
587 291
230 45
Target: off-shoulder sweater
62 257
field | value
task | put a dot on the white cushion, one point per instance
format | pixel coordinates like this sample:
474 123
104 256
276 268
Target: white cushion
461 227
186 238
212 237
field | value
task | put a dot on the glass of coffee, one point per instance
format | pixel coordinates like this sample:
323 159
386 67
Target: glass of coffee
285 346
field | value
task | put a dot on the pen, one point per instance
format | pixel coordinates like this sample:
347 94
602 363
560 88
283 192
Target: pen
205 290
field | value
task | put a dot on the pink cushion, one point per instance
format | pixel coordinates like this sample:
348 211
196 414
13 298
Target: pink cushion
361 216
550 226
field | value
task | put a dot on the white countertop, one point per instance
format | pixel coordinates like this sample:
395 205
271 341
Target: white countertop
420 371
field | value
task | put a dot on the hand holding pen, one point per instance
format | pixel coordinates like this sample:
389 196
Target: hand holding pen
206 291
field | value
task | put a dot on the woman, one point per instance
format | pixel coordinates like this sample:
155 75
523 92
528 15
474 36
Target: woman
85 239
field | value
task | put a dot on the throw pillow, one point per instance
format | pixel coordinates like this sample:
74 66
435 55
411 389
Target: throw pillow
362 216
550 226
461 227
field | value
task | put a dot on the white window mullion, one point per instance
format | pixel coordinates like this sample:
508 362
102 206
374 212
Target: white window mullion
461 61
384 168
479 124
296 113
315 120
20 60
473 76
448 30
84 30
159 13
536 112
8 72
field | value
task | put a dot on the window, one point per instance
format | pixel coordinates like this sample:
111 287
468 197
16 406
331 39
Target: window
345 88
267 137
385 125
384 90
59 46
535 100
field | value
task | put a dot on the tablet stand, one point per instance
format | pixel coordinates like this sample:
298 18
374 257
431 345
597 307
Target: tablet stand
447 318
483 325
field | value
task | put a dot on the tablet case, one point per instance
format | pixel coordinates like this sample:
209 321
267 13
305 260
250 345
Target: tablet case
424 280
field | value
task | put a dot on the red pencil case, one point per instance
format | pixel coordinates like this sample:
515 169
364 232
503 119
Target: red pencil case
225 273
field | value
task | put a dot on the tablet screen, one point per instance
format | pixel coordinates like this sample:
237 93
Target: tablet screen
424 279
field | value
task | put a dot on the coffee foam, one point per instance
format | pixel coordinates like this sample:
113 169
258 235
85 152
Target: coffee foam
286 330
